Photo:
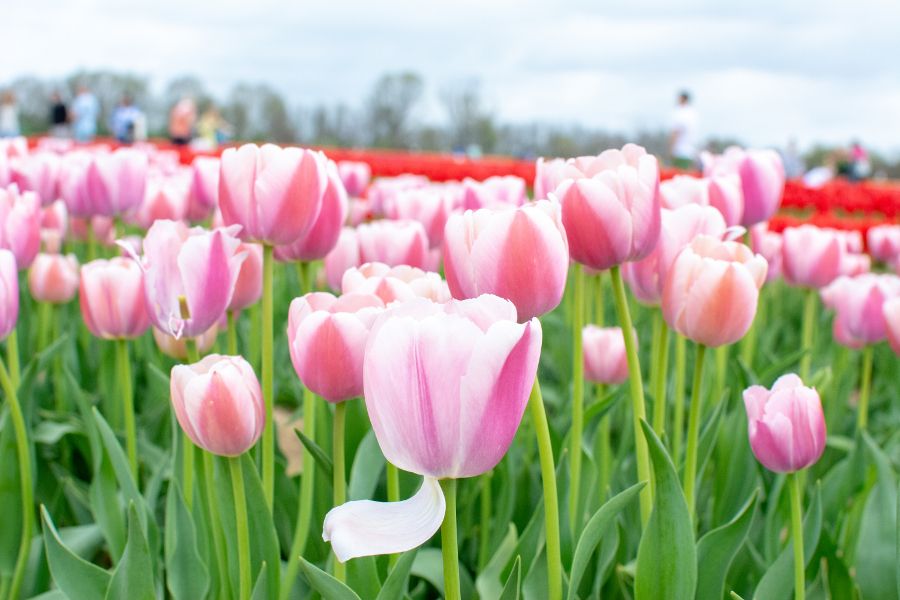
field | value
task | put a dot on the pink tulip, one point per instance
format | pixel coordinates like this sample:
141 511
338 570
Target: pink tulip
712 290
38 173
248 287
678 228
549 174
103 229
384 188
813 257
762 179
9 293
177 347
769 245
166 197
884 242
204 195
430 206
54 226
360 211
72 171
604 355
858 303
393 284
53 278
494 192
327 338
274 193
786 424
445 388
190 276
111 295
355 176
722 192
519 254
393 243
20 224
323 235
891 313
218 403
343 256
613 217
114 183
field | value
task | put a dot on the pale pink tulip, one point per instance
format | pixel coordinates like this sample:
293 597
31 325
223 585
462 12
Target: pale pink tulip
355 176
114 183
20 224
9 293
393 243
769 245
111 295
384 188
327 338
884 243
166 197
218 403
38 173
762 179
494 192
53 278
712 290
343 256
786 424
519 254
858 303
605 360
722 192
891 312
430 206
103 229
204 197
273 193
393 284
813 257
249 284
54 226
177 348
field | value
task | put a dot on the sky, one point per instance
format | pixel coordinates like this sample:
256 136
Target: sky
823 71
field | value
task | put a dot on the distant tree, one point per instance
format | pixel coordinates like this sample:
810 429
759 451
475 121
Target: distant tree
470 121
33 100
258 112
389 109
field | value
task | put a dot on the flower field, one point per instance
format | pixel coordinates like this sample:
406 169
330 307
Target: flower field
276 373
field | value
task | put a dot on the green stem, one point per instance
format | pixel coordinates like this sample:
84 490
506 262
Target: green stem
721 367
797 536
551 501
598 299
484 531
232 339
304 509
637 392
268 322
243 528
187 473
12 354
209 469
604 461
25 482
45 316
662 369
392 474
577 399
340 480
690 464
449 545
865 389
748 345
808 332
680 367
91 241
301 277
123 367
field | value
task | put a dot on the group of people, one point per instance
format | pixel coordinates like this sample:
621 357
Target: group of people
205 133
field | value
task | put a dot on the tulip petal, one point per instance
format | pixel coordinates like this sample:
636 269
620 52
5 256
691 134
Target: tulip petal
369 528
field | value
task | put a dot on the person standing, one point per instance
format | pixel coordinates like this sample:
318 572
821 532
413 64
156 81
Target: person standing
683 140
124 120
59 117
86 110
9 115
181 121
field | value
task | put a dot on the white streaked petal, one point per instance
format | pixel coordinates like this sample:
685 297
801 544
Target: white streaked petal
368 528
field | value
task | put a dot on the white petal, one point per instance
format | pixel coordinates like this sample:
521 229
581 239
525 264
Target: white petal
368 528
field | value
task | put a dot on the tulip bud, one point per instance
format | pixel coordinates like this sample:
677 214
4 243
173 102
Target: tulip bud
218 403
248 287
111 295
177 347
393 243
53 278
786 424
393 284
858 304
605 360
20 224
9 293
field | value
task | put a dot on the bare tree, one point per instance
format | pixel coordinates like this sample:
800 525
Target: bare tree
389 108
470 121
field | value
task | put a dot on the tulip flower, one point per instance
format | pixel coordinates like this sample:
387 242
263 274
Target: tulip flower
858 303
177 348
393 284
323 235
769 245
604 355
9 293
891 312
516 253
430 206
343 256
393 243
273 193
248 286
384 188
722 192
355 176
190 276
445 388
38 173
495 192
548 174
111 295
813 257
165 198
712 289
114 183
20 224
762 179
54 226
204 196
53 278
884 243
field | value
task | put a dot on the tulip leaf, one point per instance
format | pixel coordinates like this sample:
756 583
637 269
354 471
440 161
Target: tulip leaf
261 588
488 582
39 362
780 366
716 551
667 555
602 406
596 528
76 577
323 461
329 587
513 582
264 546
10 498
133 577
187 575
875 559
396 582
429 565
778 580
368 463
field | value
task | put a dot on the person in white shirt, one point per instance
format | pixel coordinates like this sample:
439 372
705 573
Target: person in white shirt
683 140
9 115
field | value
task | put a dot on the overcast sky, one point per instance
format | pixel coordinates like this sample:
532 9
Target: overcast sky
817 71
